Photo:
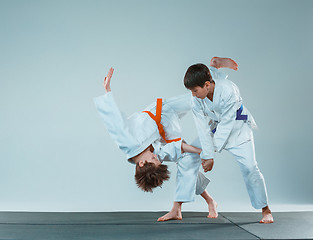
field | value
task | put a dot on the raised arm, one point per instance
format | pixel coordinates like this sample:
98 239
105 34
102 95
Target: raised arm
219 62
114 121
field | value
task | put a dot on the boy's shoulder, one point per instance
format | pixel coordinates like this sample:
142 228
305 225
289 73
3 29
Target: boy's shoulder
224 83
225 88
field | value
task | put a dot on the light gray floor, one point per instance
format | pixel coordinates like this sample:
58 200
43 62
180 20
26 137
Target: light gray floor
143 225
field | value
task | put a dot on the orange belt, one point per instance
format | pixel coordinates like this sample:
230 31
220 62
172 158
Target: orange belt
157 119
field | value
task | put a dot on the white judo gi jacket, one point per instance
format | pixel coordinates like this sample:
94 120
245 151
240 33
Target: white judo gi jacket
135 133
223 122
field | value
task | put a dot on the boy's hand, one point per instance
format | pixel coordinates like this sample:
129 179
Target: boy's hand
107 81
207 164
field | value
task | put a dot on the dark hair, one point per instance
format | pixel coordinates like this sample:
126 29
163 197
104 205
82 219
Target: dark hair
197 75
150 176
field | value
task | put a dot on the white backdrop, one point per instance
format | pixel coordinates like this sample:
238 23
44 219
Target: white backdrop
55 153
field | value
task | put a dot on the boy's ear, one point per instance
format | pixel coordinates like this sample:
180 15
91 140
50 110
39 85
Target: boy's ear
141 163
207 84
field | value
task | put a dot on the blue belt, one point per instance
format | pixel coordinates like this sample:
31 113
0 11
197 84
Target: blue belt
239 116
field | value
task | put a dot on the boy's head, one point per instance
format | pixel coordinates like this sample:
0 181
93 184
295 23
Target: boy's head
150 172
198 80
150 175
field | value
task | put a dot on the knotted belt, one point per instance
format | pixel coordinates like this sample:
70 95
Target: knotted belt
157 119
239 116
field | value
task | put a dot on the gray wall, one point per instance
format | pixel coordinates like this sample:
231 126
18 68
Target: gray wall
55 153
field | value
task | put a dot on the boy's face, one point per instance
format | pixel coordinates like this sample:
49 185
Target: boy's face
200 92
150 157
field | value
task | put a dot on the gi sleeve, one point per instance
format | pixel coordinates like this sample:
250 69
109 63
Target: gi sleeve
115 122
180 104
204 131
170 151
227 122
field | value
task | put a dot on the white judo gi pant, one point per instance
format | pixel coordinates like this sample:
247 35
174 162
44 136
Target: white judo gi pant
189 181
253 178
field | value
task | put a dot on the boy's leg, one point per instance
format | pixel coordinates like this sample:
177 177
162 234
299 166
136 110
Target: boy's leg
186 184
174 214
254 180
188 179
211 203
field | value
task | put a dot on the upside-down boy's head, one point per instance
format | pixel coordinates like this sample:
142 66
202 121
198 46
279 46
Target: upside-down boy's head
150 176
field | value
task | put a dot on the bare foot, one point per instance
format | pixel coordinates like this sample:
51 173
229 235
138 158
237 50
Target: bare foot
267 216
212 210
172 215
218 62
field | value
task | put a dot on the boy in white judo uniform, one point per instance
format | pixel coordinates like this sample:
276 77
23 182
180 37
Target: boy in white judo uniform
223 122
147 141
